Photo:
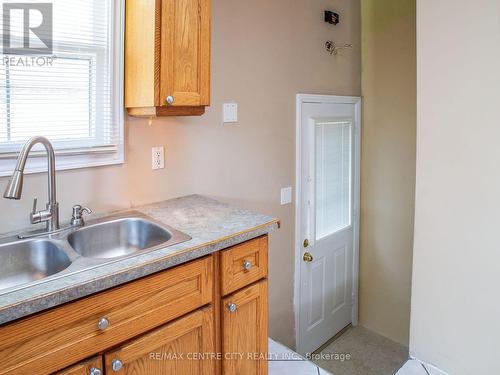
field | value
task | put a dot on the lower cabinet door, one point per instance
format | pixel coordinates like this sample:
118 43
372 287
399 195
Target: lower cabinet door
91 366
183 347
244 331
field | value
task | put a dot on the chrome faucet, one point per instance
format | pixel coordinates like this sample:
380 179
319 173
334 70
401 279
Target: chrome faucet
14 188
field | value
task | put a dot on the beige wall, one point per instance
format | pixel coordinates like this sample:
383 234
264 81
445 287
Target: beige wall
387 165
264 52
456 269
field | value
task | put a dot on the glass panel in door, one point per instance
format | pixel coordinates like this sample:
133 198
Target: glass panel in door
333 171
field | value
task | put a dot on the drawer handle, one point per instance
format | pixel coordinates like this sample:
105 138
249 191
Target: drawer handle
231 307
95 371
170 99
247 265
116 365
103 324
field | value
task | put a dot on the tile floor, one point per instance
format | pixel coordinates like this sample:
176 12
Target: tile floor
413 367
371 354
283 361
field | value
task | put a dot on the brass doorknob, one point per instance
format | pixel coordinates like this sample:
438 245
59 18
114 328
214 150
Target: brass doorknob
307 257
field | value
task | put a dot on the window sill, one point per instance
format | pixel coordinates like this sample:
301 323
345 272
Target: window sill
65 159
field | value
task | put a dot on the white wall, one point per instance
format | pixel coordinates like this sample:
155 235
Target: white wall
456 270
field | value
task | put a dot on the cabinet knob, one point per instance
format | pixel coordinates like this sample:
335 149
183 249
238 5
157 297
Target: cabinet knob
116 365
95 371
170 99
247 265
231 307
103 324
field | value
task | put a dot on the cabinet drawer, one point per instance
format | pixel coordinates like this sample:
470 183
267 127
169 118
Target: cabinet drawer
67 334
243 264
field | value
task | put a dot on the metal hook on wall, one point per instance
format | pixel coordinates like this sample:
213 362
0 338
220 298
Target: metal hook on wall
334 49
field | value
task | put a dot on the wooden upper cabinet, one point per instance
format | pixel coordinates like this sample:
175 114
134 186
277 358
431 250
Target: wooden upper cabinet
167 57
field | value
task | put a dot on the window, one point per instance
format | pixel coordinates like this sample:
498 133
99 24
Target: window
73 96
333 163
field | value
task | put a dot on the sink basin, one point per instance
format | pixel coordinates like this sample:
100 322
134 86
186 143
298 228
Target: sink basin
26 261
121 237
35 259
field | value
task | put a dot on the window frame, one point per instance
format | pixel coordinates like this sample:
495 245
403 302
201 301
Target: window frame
334 121
82 156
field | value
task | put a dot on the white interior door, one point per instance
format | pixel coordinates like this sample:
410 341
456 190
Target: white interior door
327 230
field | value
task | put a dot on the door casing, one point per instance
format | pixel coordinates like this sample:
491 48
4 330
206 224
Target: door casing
327 99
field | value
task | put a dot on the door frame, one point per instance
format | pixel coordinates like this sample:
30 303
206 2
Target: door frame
327 99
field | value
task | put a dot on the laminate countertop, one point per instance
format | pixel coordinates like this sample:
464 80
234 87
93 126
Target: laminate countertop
212 225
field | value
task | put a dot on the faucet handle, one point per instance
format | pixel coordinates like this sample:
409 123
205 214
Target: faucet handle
37 217
33 211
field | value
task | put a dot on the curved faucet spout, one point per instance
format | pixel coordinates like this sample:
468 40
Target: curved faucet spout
14 188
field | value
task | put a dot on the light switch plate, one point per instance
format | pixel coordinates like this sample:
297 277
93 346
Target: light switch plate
157 158
286 195
230 113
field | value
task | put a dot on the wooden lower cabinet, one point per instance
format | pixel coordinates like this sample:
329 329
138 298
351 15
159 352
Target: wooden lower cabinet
207 316
183 347
244 331
67 334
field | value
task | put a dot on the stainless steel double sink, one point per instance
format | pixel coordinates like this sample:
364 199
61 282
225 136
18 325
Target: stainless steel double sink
24 262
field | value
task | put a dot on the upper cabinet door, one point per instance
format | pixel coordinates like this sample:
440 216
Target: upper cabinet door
167 57
185 53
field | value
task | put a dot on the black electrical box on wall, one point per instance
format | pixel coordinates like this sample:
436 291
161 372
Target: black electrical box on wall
332 17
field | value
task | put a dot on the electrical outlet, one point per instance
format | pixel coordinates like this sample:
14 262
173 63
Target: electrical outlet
158 158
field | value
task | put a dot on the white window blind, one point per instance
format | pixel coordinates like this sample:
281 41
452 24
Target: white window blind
333 163
72 97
